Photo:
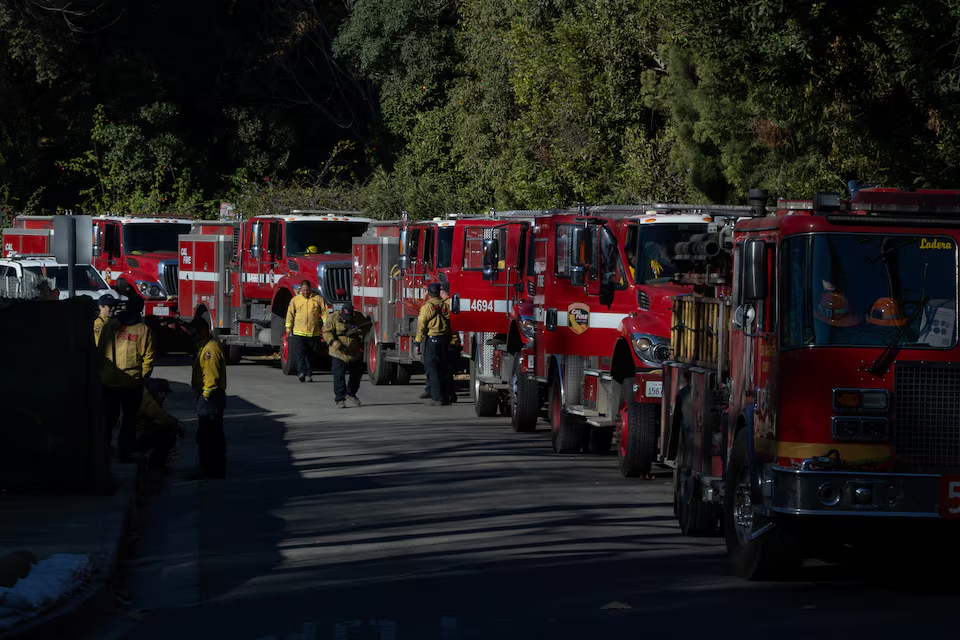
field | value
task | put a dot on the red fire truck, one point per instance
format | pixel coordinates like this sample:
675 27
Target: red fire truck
600 283
241 276
135 255
813 383
27 242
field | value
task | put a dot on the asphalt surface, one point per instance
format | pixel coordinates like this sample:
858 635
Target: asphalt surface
397 520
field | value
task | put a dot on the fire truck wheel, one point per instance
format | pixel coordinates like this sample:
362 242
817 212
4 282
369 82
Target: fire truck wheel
288 356
234 354
775 554
525 399
487 401
636 434
403 375
379 370
567 430
597 440
695 517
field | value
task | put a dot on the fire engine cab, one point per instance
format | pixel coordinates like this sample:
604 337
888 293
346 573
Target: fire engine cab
241 276
395 262
813 384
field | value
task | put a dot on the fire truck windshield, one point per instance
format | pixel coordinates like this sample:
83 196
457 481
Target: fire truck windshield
653 264
319 237
146 237
869 290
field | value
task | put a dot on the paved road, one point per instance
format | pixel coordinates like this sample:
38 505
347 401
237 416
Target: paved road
395 520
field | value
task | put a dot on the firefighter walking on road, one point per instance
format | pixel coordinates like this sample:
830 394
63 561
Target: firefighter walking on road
126 356
344 333
210 384
433 327
305 317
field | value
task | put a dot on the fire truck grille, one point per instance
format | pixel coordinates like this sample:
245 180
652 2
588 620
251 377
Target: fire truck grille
335 282
170 277
927 408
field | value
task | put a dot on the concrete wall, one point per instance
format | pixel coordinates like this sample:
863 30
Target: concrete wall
51 433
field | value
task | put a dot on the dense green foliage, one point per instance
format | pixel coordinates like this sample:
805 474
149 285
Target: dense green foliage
435 106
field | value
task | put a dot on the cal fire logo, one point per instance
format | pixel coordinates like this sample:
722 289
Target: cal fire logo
578 314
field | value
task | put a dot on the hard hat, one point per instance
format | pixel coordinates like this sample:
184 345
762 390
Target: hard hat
886 313
312 249
834 309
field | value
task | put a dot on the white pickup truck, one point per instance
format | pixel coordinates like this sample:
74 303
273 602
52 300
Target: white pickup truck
20 276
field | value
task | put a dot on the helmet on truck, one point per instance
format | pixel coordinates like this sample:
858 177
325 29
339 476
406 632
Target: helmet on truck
834 309
886 313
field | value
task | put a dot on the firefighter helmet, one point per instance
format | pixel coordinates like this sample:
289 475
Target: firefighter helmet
886 313
312 249
834 309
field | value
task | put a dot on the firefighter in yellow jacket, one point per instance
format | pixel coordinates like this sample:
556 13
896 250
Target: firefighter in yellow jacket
305 317
210 384
344 332
453 354
108 306
126 357
433 327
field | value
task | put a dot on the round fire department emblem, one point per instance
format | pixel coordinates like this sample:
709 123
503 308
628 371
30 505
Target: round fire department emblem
578 315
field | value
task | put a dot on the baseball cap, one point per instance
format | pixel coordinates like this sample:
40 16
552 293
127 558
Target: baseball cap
347 306
445 287
434 288
107 301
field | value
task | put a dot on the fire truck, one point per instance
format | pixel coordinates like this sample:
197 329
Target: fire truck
135 255
393 263
812 391
241 276
600 284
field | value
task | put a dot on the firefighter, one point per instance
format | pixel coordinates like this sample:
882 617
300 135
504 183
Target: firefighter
344 333
434 327
632 262
108 306
305 316
126 356
210 384
157 430
452 354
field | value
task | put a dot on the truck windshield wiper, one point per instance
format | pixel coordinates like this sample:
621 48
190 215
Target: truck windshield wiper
882 364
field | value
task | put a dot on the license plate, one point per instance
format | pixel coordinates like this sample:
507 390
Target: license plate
950 497
654 390
161 311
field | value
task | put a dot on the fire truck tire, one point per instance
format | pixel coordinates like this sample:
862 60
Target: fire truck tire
695 517
567 430
526 404
638 432
597 440
775 555
403 375
380 371
487 402
234 354
288 357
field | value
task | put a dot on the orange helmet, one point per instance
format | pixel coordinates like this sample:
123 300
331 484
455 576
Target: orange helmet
834 309
886 313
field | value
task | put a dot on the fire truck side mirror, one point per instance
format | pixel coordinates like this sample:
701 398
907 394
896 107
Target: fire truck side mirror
403 262
579 256
491 258
455 303
97 240
755 270
256 240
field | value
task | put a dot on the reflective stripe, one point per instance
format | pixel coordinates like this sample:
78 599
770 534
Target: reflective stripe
598 320
199 276
368 292
498 306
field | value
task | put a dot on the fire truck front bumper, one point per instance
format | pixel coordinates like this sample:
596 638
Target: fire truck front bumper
849 493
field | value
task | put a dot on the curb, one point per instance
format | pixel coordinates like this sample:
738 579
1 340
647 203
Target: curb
105 560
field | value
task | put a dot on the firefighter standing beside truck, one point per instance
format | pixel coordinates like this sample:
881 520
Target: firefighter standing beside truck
452 354
108 305
344 333
210 384
126 352
434 326
305 316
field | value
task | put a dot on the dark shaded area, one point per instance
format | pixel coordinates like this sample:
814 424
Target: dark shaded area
51 437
